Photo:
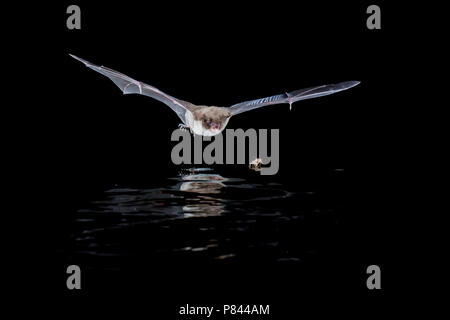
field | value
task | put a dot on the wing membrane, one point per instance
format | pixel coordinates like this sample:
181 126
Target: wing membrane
131 86
291 97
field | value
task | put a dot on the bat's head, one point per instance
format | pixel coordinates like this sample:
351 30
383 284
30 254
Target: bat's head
214 119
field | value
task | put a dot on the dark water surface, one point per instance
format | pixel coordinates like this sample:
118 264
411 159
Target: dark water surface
201 216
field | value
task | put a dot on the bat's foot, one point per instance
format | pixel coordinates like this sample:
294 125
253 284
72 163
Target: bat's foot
183 127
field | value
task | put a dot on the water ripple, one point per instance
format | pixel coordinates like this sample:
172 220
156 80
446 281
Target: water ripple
199 213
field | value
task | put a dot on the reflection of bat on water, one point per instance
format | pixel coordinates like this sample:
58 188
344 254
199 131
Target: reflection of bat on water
209 121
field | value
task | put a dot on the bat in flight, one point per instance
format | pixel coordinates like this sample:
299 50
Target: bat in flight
211 120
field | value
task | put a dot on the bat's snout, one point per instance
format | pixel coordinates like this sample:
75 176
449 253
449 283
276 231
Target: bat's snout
215 126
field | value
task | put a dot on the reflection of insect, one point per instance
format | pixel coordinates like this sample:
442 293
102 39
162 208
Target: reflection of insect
255 164
209 121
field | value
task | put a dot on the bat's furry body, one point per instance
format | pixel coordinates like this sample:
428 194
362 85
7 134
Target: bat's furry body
197 120
209 121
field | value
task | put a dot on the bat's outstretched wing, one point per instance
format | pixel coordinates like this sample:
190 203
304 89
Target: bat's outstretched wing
292 97
129 85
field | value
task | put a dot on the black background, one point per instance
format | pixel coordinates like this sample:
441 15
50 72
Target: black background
220 54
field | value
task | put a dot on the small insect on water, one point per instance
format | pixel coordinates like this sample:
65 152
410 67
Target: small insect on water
255 164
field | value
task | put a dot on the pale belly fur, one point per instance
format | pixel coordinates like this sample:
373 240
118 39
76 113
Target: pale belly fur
197 127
